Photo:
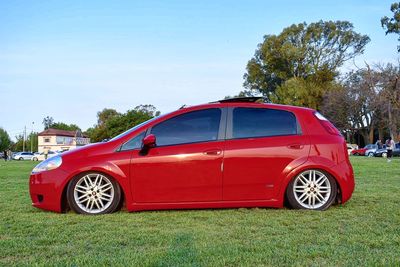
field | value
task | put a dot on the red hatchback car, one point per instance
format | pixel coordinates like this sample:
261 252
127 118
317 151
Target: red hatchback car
228 154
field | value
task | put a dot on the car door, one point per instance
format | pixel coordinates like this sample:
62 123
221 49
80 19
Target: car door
261 145
185 165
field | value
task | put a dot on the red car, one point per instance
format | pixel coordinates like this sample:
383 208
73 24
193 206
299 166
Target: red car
361 151
227 154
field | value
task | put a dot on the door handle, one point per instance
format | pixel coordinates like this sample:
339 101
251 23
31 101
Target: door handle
295 146
213 152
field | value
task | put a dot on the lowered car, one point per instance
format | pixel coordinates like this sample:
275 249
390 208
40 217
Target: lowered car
226 154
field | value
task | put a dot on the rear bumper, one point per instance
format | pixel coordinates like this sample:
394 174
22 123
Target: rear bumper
46 188
345 177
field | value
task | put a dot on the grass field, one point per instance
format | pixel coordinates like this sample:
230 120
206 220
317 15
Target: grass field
365 231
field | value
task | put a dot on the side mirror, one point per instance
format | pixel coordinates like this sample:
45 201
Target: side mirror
149 141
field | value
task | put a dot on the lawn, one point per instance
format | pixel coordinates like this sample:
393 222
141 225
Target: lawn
364 231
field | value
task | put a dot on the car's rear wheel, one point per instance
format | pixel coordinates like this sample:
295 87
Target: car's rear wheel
35 159
21 158
93 193
312 190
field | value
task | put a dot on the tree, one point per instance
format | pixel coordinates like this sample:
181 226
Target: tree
111 123
302 55
5 141
47 122
392 25
64 126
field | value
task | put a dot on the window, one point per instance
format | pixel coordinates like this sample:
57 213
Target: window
257 122
191 127
134 143
47 140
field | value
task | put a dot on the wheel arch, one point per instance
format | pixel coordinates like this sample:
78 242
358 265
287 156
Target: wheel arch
292 175
64 202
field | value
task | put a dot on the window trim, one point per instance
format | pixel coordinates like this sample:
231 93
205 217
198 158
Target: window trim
119 149
221 136
229 127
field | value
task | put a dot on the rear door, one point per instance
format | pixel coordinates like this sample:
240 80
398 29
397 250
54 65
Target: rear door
261 145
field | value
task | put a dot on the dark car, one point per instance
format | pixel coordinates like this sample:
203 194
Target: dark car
383 151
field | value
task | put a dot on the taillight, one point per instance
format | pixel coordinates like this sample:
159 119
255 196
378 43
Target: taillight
327 124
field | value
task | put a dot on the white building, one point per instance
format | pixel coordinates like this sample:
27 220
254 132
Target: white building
60 140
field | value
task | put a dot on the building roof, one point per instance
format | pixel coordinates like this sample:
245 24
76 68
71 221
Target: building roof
57 132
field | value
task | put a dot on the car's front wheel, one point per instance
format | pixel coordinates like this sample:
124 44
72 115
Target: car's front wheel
312 190
384 155
370 154
93 193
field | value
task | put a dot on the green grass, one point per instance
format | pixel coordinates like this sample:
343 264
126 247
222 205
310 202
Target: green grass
365 231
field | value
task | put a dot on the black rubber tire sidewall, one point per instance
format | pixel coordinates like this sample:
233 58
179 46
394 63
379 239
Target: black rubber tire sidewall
71 201
292 199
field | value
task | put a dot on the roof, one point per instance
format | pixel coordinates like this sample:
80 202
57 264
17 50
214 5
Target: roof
250 99
57 132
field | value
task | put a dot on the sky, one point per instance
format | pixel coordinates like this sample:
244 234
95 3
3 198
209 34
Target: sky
70 59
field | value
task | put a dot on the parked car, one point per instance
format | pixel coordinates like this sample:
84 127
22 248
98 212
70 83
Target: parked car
361 151
23 156
230 153
370 152
383 151
41 156
351 147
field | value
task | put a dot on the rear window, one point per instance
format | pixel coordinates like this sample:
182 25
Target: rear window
261 122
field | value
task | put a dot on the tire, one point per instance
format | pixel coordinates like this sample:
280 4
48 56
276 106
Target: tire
370 154
35 159
93 193
355 154
312 190
384 155
20 159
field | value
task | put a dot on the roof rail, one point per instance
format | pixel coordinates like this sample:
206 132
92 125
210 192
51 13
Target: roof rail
251 99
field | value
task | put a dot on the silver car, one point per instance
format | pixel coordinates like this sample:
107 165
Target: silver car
23 156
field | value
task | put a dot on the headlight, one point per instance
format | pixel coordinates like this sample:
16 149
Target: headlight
48 164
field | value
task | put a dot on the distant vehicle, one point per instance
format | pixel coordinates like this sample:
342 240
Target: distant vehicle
361 151
383 151
41 156
23 156
370 152
351 147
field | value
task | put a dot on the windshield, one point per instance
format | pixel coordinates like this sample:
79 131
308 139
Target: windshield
135 127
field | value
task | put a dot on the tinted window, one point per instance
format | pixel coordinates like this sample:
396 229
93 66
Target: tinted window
196 126
134 143
257 122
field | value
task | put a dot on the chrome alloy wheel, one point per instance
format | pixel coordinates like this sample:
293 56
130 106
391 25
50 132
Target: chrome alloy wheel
312 189
94 193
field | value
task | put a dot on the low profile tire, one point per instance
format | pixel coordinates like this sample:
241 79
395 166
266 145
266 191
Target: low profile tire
93 193
312 190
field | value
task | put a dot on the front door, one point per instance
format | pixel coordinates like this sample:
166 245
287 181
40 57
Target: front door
185 165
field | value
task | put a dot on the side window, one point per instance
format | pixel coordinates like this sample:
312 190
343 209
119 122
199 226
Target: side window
259 122
191 127
134 143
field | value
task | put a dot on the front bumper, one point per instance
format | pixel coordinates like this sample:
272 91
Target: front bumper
46 189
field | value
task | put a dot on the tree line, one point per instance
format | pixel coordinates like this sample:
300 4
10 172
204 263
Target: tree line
299 66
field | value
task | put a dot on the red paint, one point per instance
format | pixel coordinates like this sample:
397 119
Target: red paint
226 173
